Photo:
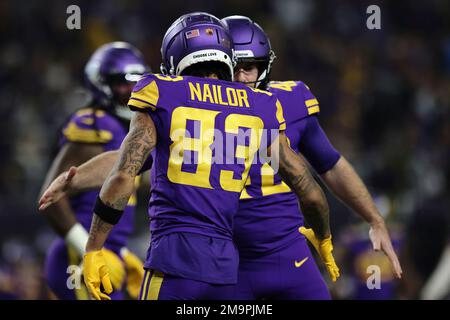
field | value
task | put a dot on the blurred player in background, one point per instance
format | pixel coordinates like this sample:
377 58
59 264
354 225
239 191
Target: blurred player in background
367 274
192 254
94 129
274 259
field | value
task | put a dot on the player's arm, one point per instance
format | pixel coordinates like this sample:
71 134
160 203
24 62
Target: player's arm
90 175
119 185
340 177
113 198
294 172
93 173
346 184
61 216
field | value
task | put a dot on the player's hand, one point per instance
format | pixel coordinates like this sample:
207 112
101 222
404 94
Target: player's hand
379 236
57 189
135 272
324 248
103 267
96 273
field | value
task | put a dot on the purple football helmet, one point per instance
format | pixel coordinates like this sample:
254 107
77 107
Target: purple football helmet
111 62
194 38
251 44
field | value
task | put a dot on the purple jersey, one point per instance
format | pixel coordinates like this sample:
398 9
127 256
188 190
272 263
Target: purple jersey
192 190
100 128
269 214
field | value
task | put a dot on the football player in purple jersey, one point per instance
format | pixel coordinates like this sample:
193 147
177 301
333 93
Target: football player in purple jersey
192 254
98 127
269 226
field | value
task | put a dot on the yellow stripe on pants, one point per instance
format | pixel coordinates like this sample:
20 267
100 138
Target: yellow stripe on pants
155 285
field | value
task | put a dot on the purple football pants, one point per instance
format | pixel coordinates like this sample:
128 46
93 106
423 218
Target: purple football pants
159 286
287 274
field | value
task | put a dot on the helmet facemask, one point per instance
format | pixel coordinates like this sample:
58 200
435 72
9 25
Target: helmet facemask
110 69
120 88
264 66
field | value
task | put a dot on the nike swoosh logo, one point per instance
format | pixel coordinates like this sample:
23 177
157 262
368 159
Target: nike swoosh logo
298 264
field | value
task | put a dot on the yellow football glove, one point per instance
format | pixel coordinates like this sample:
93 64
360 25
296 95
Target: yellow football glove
324 248
117 272
105 267
135 272
95 272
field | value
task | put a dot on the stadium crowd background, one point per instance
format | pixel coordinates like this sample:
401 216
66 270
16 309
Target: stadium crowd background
384 97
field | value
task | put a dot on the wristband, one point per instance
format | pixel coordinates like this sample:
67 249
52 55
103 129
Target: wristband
106 213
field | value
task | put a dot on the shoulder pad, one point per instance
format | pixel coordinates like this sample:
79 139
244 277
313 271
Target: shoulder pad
89 126
296 92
